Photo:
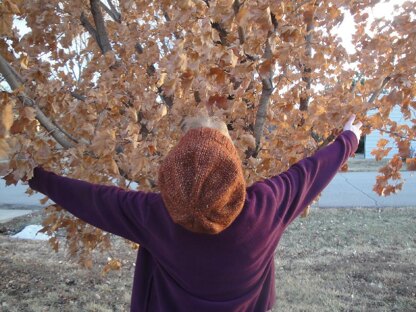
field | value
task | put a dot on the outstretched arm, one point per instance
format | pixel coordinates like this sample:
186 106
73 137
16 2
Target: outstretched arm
109 208
290 192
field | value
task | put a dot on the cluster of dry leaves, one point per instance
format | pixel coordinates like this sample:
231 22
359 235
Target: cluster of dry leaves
97 90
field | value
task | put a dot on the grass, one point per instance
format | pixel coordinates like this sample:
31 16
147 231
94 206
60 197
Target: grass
348 260
334 260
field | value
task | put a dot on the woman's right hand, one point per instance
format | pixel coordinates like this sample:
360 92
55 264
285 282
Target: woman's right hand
354 128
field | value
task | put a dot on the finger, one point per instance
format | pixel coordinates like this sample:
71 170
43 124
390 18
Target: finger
359 124
351 120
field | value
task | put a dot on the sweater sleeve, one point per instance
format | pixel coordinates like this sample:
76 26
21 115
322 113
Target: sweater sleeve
291 191
109 208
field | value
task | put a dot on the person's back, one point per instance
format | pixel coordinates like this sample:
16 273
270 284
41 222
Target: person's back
207 241
229 271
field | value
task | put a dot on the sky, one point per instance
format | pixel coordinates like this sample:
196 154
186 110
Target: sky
384 9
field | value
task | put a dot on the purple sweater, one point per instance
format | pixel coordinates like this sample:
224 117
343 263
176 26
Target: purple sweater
178 270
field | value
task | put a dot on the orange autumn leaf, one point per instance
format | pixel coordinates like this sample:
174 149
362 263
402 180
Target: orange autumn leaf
411 164
112 265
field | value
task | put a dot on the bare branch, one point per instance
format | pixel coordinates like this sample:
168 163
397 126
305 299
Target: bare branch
168 100
17 75
304 98
151 70
87 25
377 92
197 97
392 133
78 96
241 35
102 35
307 70
274 21
176 33
236 6
299 5
51 127
222 32
325 142
99 33
112 11
66 133
166 16
8 74
139 48
354 83
267 90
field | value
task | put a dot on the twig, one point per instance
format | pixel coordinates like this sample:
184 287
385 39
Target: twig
115 15
392 133
301 4
377 92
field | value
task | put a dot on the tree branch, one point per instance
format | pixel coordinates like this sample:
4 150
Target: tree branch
267 90
8 74
221 32
392 133
102 35
17 75
299 5
14 83
168 100
99 33
355 82
304 98
52 128
151 70
115 15
377 92
241 35
78 96
66 133
87 25
307 70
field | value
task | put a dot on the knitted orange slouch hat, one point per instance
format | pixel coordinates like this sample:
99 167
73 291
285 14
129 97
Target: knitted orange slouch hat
201 182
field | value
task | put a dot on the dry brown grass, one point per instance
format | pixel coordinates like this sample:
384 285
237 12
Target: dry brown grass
349 260
335 260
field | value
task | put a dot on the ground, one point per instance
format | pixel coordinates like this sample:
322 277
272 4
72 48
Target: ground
334 260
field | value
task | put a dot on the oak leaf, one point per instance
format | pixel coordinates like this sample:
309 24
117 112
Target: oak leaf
6 119
411 164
